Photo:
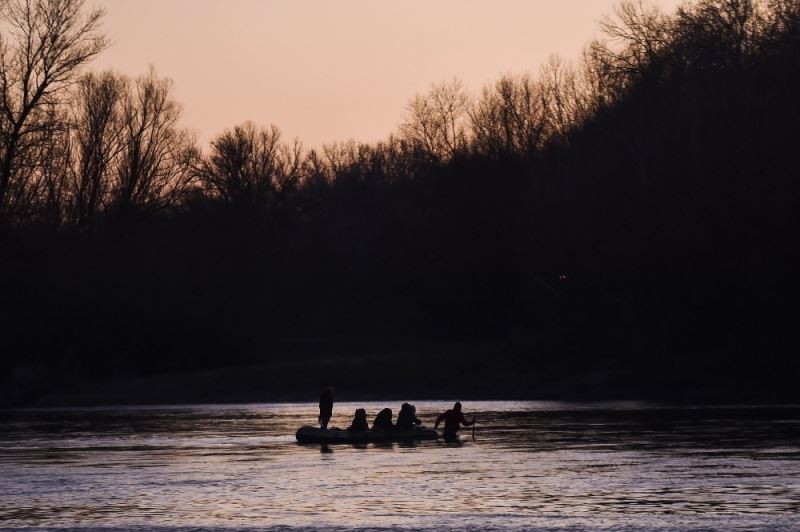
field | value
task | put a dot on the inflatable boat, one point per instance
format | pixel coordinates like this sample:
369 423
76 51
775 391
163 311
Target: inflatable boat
309 434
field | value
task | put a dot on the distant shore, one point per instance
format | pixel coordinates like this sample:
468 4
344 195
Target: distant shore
470 373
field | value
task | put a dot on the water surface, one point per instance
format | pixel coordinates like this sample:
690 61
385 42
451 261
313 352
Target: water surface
531 465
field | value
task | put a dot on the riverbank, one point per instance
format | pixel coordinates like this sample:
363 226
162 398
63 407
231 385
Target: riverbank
466 371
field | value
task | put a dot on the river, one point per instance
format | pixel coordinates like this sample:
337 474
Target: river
531 465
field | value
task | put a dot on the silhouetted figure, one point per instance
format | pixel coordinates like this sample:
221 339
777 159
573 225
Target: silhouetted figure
359 423
325 407
453 419
383 421
407 418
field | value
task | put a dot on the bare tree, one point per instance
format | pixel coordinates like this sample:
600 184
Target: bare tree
781 24
46 44
156 156
435 123
565 106
509 117
520 115
636 34
251 166
718 33
97 143
640 31
395 158
38 189
52 180
345 159
785 15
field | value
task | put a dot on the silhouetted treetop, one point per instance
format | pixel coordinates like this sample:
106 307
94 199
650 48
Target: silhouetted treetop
44 45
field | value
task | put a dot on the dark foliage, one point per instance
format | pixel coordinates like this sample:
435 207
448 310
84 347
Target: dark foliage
638 216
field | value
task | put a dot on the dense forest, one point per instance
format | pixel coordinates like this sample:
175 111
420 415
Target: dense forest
630 217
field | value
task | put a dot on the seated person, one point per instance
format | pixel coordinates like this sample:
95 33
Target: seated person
407 418
359 423
383 421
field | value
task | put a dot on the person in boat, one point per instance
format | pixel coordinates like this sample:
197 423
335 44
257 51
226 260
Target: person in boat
325 407
359 423
453 419
407 418
383 421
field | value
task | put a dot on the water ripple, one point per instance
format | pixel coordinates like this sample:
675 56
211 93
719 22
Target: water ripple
620 466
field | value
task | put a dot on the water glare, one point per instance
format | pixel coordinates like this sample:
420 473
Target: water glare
532 465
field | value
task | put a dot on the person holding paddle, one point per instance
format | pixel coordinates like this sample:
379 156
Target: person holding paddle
453 419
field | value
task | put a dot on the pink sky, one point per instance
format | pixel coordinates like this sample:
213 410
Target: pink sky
332 70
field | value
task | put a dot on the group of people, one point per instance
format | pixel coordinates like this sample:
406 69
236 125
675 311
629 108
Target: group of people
406 420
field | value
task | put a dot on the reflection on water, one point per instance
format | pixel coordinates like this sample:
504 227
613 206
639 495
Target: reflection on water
532 465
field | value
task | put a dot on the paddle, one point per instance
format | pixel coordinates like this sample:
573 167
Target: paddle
473 428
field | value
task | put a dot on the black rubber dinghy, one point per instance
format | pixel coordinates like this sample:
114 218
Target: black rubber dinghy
309 434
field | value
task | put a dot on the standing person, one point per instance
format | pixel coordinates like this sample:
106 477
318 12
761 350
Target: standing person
453 419
325 407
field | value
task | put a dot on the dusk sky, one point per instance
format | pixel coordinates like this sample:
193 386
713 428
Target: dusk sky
332 70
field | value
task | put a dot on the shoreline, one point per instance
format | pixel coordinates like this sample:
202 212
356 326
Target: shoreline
225 386
450 371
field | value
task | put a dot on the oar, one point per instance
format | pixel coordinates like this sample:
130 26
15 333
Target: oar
473 428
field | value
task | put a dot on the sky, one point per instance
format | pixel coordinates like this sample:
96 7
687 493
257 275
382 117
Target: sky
332 70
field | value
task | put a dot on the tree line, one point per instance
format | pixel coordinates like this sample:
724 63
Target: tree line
631 207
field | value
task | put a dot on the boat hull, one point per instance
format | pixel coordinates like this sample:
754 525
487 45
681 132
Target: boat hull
316 435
